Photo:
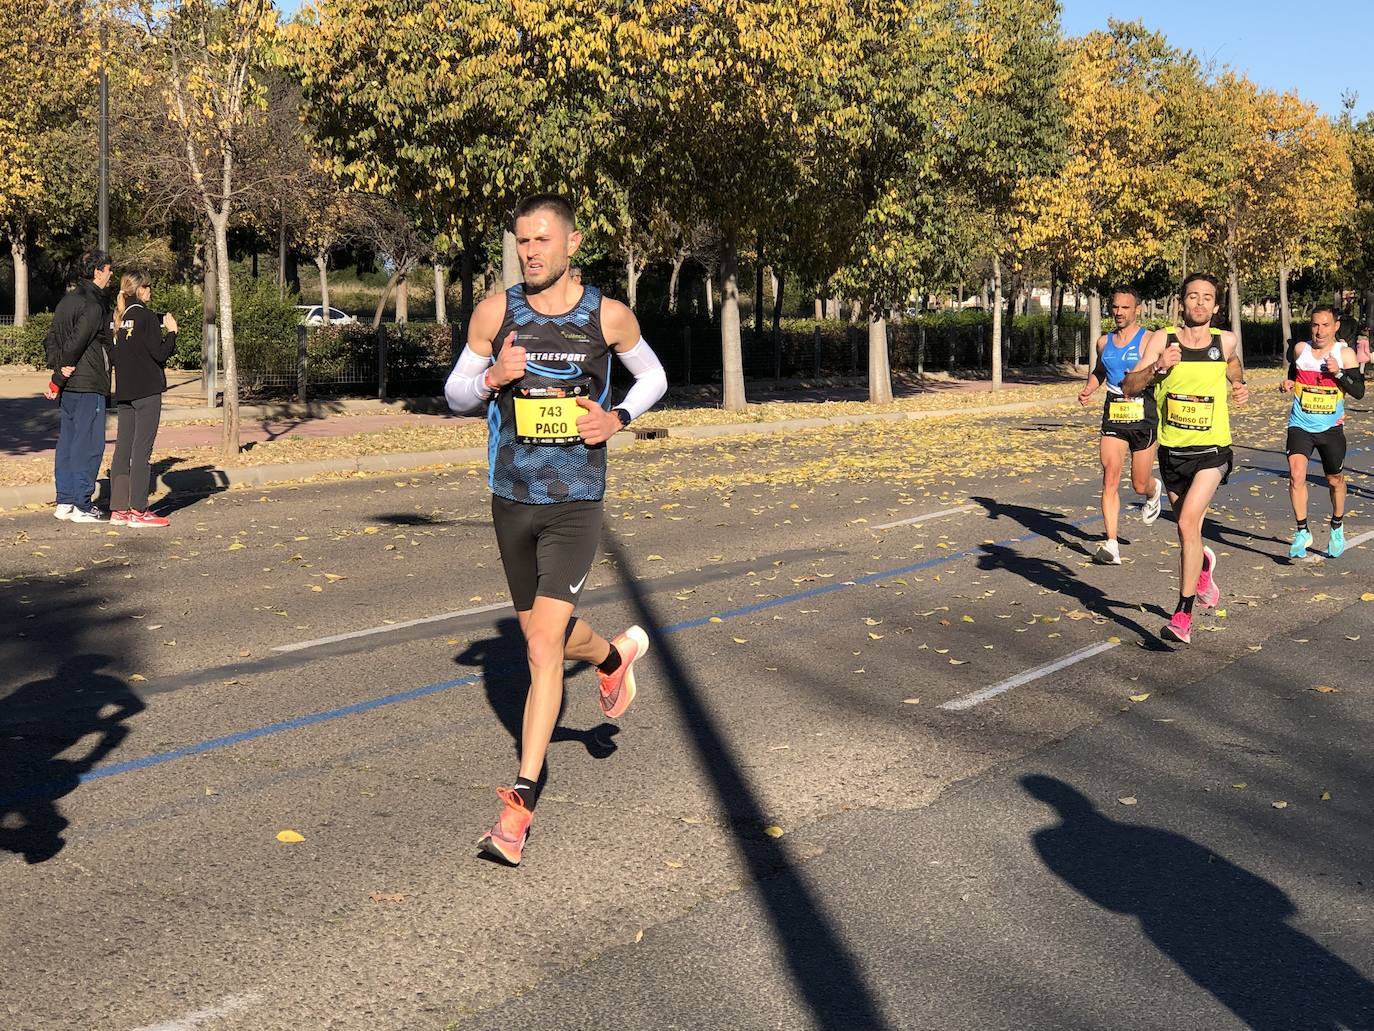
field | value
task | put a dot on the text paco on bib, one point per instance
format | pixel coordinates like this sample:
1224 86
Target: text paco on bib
548 414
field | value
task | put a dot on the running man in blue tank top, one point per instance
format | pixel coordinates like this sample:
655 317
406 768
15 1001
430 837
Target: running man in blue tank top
538 361
1129 424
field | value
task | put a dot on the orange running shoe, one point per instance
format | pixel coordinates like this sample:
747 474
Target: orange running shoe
506 839
618 688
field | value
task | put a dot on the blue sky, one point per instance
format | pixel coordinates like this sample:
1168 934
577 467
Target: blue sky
1316 47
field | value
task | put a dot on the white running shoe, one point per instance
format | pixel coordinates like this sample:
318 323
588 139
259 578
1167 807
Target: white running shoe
1108 554
63 512
86 515
1149 512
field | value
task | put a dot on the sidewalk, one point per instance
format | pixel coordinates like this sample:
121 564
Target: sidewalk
287 441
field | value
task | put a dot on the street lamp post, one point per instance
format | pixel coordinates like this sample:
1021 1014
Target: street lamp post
104 143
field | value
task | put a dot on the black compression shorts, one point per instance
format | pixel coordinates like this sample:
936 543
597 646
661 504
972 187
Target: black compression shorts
1178 466
1330 444
546 550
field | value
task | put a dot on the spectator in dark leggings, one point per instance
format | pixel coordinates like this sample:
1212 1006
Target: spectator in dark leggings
142 344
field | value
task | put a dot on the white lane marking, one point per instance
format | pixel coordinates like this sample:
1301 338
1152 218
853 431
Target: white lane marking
389 627
968 701
1356 541
199 1018
926 517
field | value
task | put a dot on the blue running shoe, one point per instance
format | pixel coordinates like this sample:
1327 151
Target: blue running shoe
1302 540
1335 547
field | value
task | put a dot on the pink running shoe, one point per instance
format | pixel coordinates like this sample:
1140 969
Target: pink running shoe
146 520
1179 629
618 688
1208 593
120 518
506 839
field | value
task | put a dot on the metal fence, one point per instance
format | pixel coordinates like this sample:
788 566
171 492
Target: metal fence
414 359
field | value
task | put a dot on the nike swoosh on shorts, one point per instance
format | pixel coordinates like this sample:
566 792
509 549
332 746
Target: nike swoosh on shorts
574 588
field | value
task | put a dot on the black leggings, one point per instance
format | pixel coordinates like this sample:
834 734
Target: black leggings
138 421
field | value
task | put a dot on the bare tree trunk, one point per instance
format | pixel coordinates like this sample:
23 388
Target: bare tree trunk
710 296
632 274
1010 321
820 308
386 294
19 251
281 251
1233 288
731 353
510 261
1285 315
1056 307
209 289
440 294
673 281
832 308
996 323
879 369
1094 323
322 266
229 441
403 298
983 295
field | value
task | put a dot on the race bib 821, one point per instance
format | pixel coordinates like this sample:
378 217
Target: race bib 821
1126 409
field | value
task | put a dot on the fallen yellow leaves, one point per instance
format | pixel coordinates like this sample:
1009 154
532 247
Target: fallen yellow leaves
289 837
1127 800
774 831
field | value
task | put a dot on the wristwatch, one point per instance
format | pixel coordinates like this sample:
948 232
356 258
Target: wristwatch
622 415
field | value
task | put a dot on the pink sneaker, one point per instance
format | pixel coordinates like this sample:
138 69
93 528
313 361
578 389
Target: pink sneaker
1208 593
145 520
618 688
1179 629
506 839
119 518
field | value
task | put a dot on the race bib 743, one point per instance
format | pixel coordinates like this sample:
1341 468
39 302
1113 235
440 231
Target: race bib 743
548 414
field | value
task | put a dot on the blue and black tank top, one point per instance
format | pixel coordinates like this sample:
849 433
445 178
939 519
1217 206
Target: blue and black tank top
535 454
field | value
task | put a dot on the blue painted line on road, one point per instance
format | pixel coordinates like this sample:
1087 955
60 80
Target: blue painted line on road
283 726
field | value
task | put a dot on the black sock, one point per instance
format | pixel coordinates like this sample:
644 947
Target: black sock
1185 604
528 792
1336 522
1302 524
610 663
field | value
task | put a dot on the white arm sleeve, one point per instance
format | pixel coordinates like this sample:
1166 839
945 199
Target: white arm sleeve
651 382
465 390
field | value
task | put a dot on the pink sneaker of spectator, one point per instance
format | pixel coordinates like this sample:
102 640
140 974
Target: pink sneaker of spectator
145 520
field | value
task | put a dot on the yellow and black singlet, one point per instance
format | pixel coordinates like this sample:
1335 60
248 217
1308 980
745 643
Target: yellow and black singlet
1192 398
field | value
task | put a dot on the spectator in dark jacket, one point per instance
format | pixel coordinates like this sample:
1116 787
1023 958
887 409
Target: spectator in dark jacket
80 337
143 342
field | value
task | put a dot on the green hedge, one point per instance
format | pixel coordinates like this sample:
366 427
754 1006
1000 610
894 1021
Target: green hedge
23 345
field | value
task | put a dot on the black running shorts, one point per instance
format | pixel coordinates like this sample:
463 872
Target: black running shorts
1330 444
546 550
1139 436
1178 466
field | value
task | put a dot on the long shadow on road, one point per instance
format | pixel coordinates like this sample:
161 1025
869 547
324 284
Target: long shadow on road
826 973
1225 928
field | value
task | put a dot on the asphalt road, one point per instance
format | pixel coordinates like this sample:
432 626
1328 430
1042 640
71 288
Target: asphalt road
814 815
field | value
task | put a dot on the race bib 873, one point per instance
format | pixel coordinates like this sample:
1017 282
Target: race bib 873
1318 400
548 414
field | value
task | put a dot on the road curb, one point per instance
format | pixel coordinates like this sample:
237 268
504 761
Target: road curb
206 480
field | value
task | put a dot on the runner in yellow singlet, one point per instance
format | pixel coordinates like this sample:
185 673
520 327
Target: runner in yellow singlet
1192 366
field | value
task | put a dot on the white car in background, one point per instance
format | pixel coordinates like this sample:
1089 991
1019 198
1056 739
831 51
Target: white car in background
313 315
